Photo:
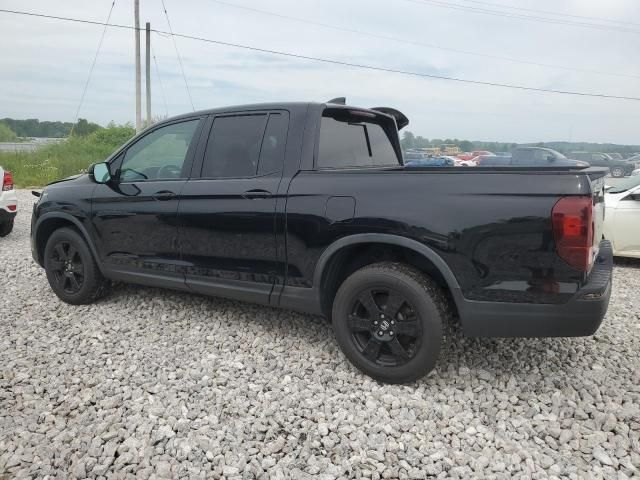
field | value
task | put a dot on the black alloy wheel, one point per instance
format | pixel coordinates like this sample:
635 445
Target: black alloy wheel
71 269
384 326
388 320
67 267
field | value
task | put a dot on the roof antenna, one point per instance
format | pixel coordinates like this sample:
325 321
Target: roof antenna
338 101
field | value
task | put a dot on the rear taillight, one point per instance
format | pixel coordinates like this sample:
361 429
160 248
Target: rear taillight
7 182
573 231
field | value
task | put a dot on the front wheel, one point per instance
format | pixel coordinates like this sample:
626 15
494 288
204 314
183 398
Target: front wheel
71 269
6 228
388 320
617 172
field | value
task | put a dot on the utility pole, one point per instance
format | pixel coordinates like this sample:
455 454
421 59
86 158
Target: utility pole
136 7
148 72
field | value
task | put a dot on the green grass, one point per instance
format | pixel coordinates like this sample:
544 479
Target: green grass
70 157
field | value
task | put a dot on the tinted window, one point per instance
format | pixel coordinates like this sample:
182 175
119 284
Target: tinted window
543 156
273 144
160 154
351 142
522 156
234 146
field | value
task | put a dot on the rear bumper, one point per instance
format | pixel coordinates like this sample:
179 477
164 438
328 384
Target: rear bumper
580 316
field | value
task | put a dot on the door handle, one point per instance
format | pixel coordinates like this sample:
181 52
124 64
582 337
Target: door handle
164 195
256 194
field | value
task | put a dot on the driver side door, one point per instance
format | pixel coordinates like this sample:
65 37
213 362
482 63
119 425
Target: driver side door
135 215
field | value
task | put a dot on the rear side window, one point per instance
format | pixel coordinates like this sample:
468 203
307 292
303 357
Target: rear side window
246 145
273 144
234 146
351 141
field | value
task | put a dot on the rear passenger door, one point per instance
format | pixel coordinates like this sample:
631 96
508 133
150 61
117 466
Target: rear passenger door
227 211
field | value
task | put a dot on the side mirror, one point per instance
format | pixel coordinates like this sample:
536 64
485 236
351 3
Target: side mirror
100 172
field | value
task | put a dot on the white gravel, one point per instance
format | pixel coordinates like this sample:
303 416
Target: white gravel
159 384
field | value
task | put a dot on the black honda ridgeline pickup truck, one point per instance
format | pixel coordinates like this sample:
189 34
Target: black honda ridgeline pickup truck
308 206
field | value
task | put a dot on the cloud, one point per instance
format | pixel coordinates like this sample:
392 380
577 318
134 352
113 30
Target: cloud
45 64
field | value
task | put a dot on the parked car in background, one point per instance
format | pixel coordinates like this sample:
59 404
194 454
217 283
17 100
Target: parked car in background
308 206
617 168
615 156
462 163
542 157
636 172
409 156
8 203
493 160
464 156
431 162
635 159
622 219
477 153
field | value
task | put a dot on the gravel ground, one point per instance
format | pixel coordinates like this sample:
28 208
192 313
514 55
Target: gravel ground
160 384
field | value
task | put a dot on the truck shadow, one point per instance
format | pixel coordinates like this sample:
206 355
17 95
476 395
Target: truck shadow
626 262
523 359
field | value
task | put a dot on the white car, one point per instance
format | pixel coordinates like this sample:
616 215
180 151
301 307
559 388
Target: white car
636 173
8 203
622 217
463 163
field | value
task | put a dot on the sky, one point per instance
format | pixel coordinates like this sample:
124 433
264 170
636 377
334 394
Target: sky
44 64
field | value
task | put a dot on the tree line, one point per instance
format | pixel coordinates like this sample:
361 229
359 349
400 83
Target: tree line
410 141
32 127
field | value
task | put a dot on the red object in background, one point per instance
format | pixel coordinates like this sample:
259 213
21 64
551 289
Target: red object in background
465 156
12 208
7 182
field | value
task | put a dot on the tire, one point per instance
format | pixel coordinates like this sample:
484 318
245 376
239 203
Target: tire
617 172
6 228
403 298
71 269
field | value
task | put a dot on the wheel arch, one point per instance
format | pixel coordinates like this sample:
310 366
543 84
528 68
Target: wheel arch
327 274
49 223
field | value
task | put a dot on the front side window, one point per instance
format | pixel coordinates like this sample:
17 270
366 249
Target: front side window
159 155
351 141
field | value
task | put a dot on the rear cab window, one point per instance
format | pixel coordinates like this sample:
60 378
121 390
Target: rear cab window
351 139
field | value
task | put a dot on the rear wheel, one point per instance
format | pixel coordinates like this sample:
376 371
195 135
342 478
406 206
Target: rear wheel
6 228
71 269
617 172
388 320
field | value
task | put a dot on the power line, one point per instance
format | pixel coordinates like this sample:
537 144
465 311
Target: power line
164 97
412 42
335 62
93 64
175 45
548 12
519 16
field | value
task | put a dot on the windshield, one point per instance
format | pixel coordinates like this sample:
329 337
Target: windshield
626 184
